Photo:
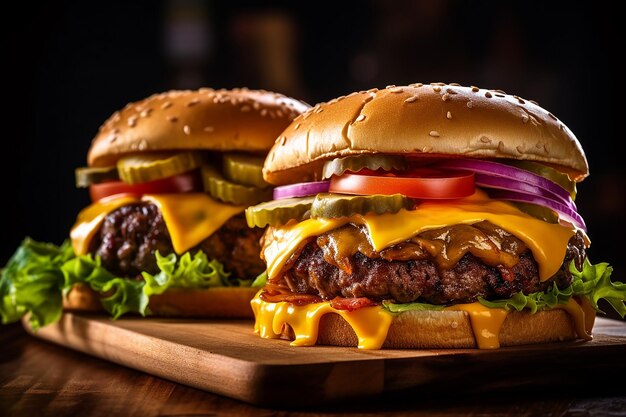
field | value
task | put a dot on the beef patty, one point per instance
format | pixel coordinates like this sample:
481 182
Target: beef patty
407 272
130 236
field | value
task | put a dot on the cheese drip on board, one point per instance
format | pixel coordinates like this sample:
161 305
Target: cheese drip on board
371 324
547 241
189 217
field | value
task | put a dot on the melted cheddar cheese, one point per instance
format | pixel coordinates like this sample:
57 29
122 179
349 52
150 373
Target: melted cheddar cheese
547 241
189 217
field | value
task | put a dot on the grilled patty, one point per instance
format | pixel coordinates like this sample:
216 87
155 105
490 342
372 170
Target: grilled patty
422 278
130 236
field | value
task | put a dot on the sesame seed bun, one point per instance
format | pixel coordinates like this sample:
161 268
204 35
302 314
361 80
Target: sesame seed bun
423 120
219 302
450 330
223 120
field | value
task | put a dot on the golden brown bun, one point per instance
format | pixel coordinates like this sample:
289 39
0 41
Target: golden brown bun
450 329
221 302
224 120
423 120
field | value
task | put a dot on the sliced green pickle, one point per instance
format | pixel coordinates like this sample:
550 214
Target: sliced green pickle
277 212
539 212
548 172
85 176
146 167
329 206
222 189
244 169
338 166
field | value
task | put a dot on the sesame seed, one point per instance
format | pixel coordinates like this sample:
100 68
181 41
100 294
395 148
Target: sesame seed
279 113
296 126
360 118
145 113
132 121
445 97
245 109
449 115
501 146
396 90
143 145
193 102
391 86
116 131
499 95
112 139
283 140
552 116
187 130
525 118
485 139
500 91
416 85
256 105
451 91
488 94
455 84
436 89
166 105
520 149
470 104
411 99
264 112
545 148
209 129
475 89
319 110
521 101
172 119
534 102
562 126
434 133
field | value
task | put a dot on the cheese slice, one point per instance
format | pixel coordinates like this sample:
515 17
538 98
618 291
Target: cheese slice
371 324
547 241
189 217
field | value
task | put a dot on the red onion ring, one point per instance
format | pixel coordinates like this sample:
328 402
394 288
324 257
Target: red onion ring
301 189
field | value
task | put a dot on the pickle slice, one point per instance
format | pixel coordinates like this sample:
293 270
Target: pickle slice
277 212
224 190
330 206
244 169
539 212
548 172
338 166
85 176
146 167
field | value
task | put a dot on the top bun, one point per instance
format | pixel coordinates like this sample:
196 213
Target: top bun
223 120
423 120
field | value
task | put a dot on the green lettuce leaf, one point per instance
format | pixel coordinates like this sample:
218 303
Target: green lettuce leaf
39 274
593 282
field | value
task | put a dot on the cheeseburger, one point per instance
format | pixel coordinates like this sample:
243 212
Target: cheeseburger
169 178
427 216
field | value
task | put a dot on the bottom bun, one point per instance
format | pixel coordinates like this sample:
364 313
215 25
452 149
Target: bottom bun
450 329
220 302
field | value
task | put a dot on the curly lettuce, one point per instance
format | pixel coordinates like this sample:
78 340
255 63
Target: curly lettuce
38 275
593 282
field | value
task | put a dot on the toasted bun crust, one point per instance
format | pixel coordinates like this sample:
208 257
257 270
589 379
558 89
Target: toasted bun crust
224 120
450 330
211 303
423 120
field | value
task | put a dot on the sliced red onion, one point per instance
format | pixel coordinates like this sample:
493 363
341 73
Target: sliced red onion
301 189
566 213
507 171
503 183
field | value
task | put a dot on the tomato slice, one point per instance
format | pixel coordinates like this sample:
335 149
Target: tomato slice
183 183
426 183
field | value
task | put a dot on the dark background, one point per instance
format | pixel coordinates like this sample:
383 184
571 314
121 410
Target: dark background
67 66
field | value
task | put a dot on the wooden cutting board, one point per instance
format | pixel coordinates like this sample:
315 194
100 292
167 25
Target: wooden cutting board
227 358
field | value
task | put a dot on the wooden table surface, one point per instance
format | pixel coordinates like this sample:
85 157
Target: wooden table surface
42 379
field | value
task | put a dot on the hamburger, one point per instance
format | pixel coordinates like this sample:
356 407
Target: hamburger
427 216
169 178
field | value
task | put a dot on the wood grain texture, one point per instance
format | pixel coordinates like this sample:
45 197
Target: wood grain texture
42 379
226 358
